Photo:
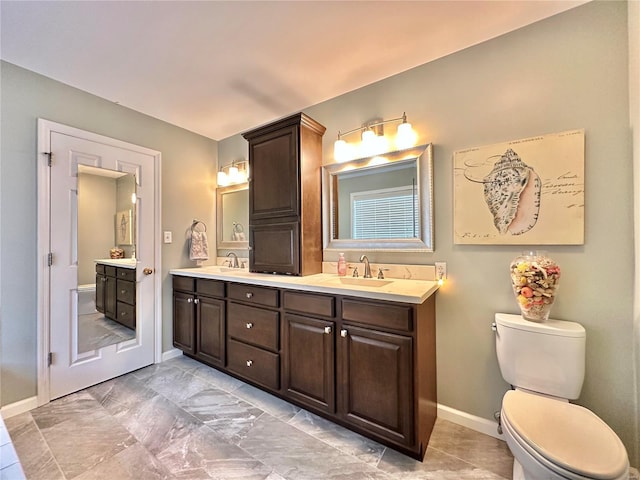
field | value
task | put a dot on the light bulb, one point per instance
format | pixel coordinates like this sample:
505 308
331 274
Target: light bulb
233 174
340 151
134 198
223 180
369 143
406 136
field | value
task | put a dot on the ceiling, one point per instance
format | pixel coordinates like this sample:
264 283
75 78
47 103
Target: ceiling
218 68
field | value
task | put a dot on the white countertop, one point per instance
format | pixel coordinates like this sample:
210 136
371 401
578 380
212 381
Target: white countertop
393 289
118 262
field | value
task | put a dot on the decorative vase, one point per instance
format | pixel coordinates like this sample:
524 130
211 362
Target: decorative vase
535 277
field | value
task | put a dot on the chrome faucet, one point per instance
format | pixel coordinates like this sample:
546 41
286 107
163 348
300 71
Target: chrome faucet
367 267
233 264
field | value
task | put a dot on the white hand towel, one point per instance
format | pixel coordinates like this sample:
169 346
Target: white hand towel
199 248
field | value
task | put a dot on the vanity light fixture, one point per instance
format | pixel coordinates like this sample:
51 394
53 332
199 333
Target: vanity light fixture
374 142
236 172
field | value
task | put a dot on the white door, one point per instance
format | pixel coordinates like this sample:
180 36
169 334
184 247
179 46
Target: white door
73 368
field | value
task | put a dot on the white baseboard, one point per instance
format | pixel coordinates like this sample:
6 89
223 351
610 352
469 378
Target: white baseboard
19 407
169 354
479 424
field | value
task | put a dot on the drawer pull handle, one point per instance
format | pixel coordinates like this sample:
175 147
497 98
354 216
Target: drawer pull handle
123 291
249 363
249 325
249 294
343 333
327 330
189 300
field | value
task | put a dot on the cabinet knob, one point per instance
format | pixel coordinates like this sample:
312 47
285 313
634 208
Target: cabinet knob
249 325
343 333
327 330
196 301
249 294
104 279
189 300
123 291
123 314
249 363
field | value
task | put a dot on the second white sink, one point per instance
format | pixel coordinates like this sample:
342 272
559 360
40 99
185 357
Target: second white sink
364 282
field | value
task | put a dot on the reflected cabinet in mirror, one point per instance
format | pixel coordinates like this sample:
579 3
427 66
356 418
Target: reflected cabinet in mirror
380 203
232 216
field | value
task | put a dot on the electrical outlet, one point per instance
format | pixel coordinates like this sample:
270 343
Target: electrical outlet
441 270
168 237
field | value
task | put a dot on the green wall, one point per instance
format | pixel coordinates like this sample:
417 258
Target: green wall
566 72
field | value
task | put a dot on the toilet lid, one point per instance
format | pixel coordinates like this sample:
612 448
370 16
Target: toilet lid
568 435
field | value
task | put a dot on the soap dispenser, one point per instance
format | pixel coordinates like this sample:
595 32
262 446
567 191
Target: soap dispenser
342 265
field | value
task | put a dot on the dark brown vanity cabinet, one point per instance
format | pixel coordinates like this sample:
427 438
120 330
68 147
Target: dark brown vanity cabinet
116 293
366 364
199 318
285 234
253 326
309 349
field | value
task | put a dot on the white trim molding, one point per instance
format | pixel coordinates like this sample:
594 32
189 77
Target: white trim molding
169 354
19 407
479 424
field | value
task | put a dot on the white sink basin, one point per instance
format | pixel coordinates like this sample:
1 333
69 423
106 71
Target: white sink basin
221 269
363 282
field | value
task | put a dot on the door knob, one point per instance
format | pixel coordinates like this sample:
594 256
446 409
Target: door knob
147 271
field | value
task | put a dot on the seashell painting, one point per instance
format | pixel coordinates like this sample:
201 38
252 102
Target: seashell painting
528 191
512 193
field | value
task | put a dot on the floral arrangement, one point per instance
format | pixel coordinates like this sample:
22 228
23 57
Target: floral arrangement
535 282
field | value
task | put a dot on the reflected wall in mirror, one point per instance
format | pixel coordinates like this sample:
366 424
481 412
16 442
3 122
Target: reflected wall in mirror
381 203
106 220
233 216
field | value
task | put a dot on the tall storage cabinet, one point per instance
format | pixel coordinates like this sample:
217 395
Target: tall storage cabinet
285 220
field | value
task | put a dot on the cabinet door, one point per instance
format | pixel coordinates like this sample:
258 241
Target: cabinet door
309 365
275 248
183 322
100 285
110 297
376 382
210 330
273 162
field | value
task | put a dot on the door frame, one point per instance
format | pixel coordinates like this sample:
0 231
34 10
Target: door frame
45 127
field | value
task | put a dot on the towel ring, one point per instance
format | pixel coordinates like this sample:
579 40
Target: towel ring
196 223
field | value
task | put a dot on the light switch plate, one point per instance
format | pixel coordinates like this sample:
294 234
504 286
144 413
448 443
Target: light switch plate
168 237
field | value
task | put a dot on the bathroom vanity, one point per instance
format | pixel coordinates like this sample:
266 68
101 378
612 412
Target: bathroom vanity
116 290
360 352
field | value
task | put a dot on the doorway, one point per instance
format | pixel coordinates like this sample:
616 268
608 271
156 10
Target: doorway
98 217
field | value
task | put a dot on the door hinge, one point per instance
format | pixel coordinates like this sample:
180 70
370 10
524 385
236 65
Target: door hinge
49 259
49 155
50 359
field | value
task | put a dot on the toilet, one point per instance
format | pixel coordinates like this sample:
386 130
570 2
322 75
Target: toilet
549 437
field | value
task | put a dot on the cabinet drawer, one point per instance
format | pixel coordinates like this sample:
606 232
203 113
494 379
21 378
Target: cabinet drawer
310 304
128 274
186 284
100 268
214 288
126 314
126 291
254 364
252 294
110 271
254 325
397 317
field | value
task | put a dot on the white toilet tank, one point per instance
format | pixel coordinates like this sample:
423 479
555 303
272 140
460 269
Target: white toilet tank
543 357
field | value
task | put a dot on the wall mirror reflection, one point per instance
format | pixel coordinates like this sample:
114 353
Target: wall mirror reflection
380 203
106 285
233 216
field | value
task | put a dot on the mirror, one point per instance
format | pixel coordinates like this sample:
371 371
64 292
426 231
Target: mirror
106 225
381 203
233 216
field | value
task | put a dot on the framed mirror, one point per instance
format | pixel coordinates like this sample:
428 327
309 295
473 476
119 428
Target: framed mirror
106 235
381 203
232 214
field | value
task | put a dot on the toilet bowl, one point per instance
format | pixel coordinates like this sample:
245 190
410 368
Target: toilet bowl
553 439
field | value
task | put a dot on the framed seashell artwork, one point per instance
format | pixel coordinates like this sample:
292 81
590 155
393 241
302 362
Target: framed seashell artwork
522 192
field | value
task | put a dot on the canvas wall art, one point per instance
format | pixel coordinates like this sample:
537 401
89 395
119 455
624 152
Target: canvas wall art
522 192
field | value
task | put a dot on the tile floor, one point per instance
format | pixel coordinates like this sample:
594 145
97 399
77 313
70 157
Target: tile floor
183 420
